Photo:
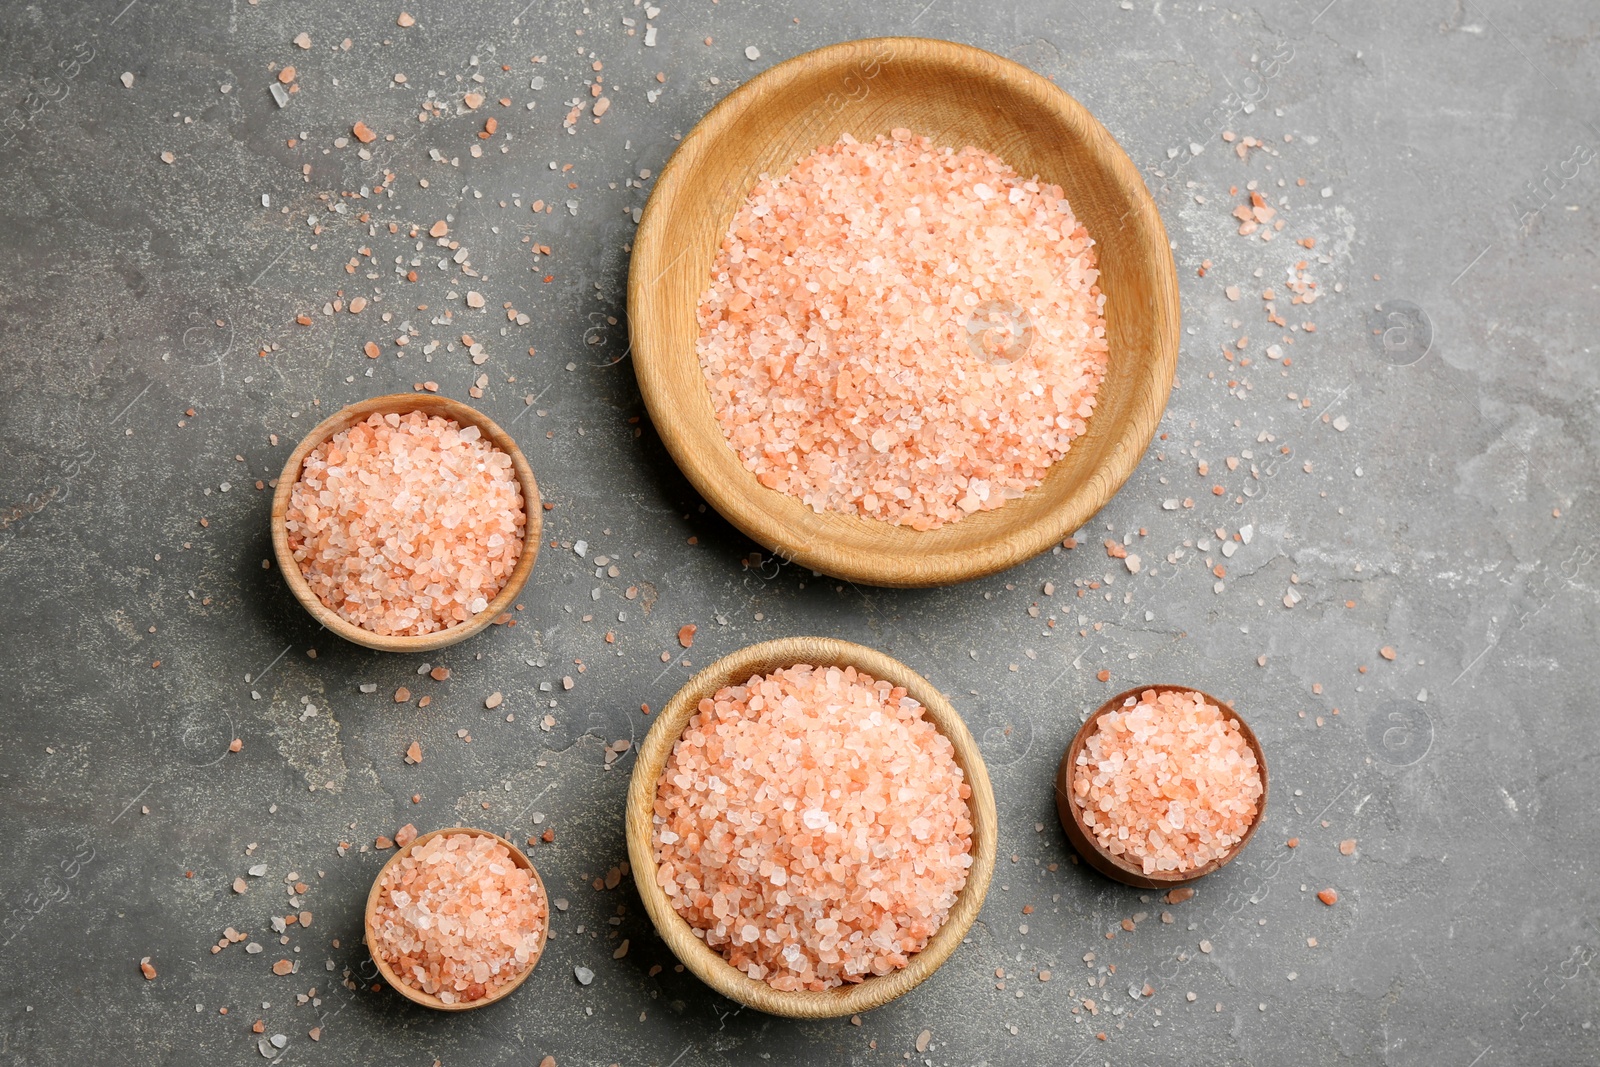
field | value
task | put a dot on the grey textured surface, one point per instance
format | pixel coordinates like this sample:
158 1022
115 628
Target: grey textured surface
1407 502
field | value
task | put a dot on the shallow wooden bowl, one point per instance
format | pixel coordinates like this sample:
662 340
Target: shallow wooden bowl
706 962
428 1000
403 403
1084 841
958 96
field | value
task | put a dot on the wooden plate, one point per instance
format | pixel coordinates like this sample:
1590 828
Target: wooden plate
402 403
706 962
959 96
1084 841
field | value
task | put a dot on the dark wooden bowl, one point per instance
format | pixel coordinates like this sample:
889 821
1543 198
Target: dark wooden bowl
1084 840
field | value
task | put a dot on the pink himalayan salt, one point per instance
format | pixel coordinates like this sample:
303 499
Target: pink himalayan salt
1168 781
408 524
902 331
812 826
457 918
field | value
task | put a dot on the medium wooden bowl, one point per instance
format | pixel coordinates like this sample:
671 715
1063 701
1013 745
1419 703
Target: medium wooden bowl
428 1000
706 962
959 96
403 403
1116 866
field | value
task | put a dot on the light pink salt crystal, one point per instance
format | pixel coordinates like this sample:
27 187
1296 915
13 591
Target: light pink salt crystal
812 826
457 918
903 332
1168 781
406 524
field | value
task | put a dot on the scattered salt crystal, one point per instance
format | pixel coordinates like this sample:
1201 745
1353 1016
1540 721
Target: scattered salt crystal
583 974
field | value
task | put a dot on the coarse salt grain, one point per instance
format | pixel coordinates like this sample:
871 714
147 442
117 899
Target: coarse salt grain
406 524
1168 781
457 918
904 332
812 826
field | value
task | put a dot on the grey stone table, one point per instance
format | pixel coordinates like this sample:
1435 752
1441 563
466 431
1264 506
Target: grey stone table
1408 464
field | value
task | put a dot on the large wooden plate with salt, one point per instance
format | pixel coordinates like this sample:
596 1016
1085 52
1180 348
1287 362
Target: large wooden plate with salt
958 96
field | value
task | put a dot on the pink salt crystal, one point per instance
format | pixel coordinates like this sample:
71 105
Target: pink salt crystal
406 524
812 826
457 918
903 332
1168 781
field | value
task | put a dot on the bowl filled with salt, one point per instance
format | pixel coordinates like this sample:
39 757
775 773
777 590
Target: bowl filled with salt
456 919
811 827
406 523
903 311
1162 785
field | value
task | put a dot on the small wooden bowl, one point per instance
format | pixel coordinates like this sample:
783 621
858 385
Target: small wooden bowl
706 962
1116 866
959 96
428 1000
403 403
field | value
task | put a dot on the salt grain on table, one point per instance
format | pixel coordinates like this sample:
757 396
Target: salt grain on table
903 332
812 825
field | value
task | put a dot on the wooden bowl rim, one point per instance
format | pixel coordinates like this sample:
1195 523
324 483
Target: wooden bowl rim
1084 841
705 962
403 403
733 497
428 1000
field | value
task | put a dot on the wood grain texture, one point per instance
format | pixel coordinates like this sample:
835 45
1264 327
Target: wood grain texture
958 96
706 962
403 403
428 1000
1084 841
